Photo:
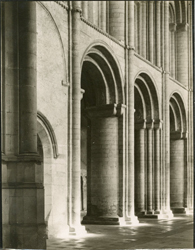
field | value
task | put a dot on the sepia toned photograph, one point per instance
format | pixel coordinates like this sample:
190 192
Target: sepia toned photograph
97 125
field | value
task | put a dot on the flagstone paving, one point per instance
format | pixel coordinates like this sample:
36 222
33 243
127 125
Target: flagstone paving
148 234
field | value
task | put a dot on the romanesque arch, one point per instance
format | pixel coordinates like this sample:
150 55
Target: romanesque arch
102 108
147 147
178 154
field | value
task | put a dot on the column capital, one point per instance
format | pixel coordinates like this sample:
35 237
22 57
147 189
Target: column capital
76 6
140 124
158 124
172 27
82 93
107 110
182 26
150 123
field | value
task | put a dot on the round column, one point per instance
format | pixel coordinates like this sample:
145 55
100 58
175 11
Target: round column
104 166
150 170
140 28
182 52
177 175
90 11
85 9
166 109
27 77
151 31
157 171
158 34
117 19
172 29
129 182
76 118
103 15
140 169
144 25
10 89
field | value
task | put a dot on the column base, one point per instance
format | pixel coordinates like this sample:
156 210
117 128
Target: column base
101 220
189 211
77 230
179 210
132 220
155 214
167 214
24 236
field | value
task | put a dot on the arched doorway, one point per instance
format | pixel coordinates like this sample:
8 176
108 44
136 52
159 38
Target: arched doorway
101 122
178 154
147 148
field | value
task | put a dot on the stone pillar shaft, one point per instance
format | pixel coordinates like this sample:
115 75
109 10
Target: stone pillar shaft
27 77
151 31
117 19
76 119
140 170
85 9
140 28
150 171
10 88
182 52
166 107
158 34
103 15
157 170
129 216
144 23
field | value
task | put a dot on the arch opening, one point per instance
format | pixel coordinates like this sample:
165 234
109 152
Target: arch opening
147 143
178 149
100 124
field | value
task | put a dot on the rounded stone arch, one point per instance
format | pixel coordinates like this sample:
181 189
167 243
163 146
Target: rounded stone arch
148 89
172 14
60 38
179 111
107 66
48 142
178 149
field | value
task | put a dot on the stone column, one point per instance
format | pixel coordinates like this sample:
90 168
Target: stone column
117 19
140 28
158 34
177 163
104 166
85 9
76 120
151 31
150 168
23 194
144 29
90 11
140 168
166 135
130 217
182 53
27 78
162 33
172 29
157 167
10 87
103 15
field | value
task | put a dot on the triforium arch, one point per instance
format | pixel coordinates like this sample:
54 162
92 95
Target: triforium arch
101 127
178 155
147 148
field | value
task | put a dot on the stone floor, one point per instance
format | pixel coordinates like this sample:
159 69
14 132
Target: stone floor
150 233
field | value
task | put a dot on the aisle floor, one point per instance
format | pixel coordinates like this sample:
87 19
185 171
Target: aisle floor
149 234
